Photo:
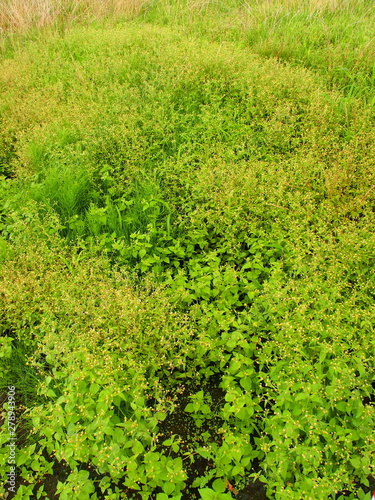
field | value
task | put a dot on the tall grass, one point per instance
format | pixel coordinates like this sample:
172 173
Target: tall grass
313 6
21 15
335 38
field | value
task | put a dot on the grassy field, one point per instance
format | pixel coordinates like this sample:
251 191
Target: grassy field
187 194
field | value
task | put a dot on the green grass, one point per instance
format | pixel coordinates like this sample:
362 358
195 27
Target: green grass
187 252
334 38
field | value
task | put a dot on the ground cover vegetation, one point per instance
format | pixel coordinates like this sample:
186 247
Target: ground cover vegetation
187 248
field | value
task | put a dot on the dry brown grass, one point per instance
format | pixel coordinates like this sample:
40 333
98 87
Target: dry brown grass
21 15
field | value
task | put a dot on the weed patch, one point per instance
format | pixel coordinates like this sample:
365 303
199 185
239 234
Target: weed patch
187 256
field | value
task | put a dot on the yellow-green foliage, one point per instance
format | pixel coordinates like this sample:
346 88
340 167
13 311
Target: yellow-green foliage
186 220
90 328
238 105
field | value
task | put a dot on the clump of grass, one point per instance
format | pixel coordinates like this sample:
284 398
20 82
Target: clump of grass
66 188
